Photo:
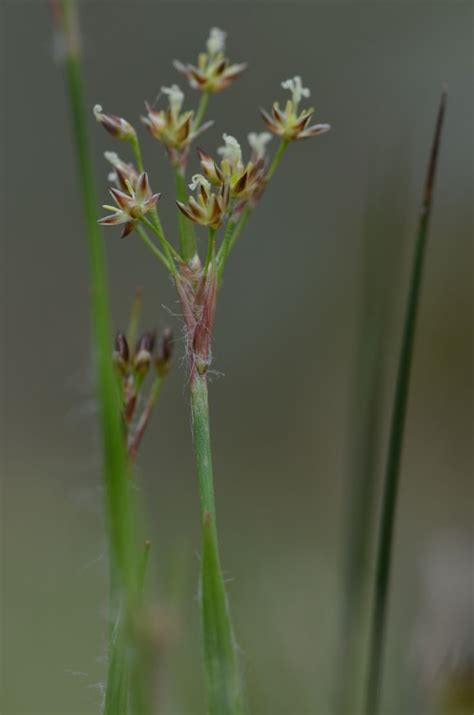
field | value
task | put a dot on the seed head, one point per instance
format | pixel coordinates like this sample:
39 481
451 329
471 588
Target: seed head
117 126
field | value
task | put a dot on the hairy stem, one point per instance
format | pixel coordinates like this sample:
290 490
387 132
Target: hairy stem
222 667
397 427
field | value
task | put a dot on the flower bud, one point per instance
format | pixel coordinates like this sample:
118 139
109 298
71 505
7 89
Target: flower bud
143 351
117 126
164 353
121 353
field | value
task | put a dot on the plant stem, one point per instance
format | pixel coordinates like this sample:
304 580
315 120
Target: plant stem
136 438
277 158
187 241
234 229
137 153
232 232
222 668
392 471
201 110
156 251
166 245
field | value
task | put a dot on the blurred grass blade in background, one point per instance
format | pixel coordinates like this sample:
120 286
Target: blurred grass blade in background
392 470
365 415
120 517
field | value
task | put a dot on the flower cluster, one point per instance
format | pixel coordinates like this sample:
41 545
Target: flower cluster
290 123
208 209
132 368
244 180
213 72
172 127
131 206
224 193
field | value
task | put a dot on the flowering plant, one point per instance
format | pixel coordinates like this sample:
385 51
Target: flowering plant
222 199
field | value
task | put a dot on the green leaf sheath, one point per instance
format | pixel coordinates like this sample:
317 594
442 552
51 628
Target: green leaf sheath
221 661
117 688
397 427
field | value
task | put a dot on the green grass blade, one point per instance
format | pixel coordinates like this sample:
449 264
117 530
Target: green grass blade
115 461
392 471
119 511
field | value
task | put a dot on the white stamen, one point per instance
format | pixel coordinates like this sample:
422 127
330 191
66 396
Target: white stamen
97 111
112 157
258 143
231 151
176 98
199 180
216 41
295 86
112 177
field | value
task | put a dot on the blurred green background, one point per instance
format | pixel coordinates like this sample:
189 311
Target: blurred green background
339 219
